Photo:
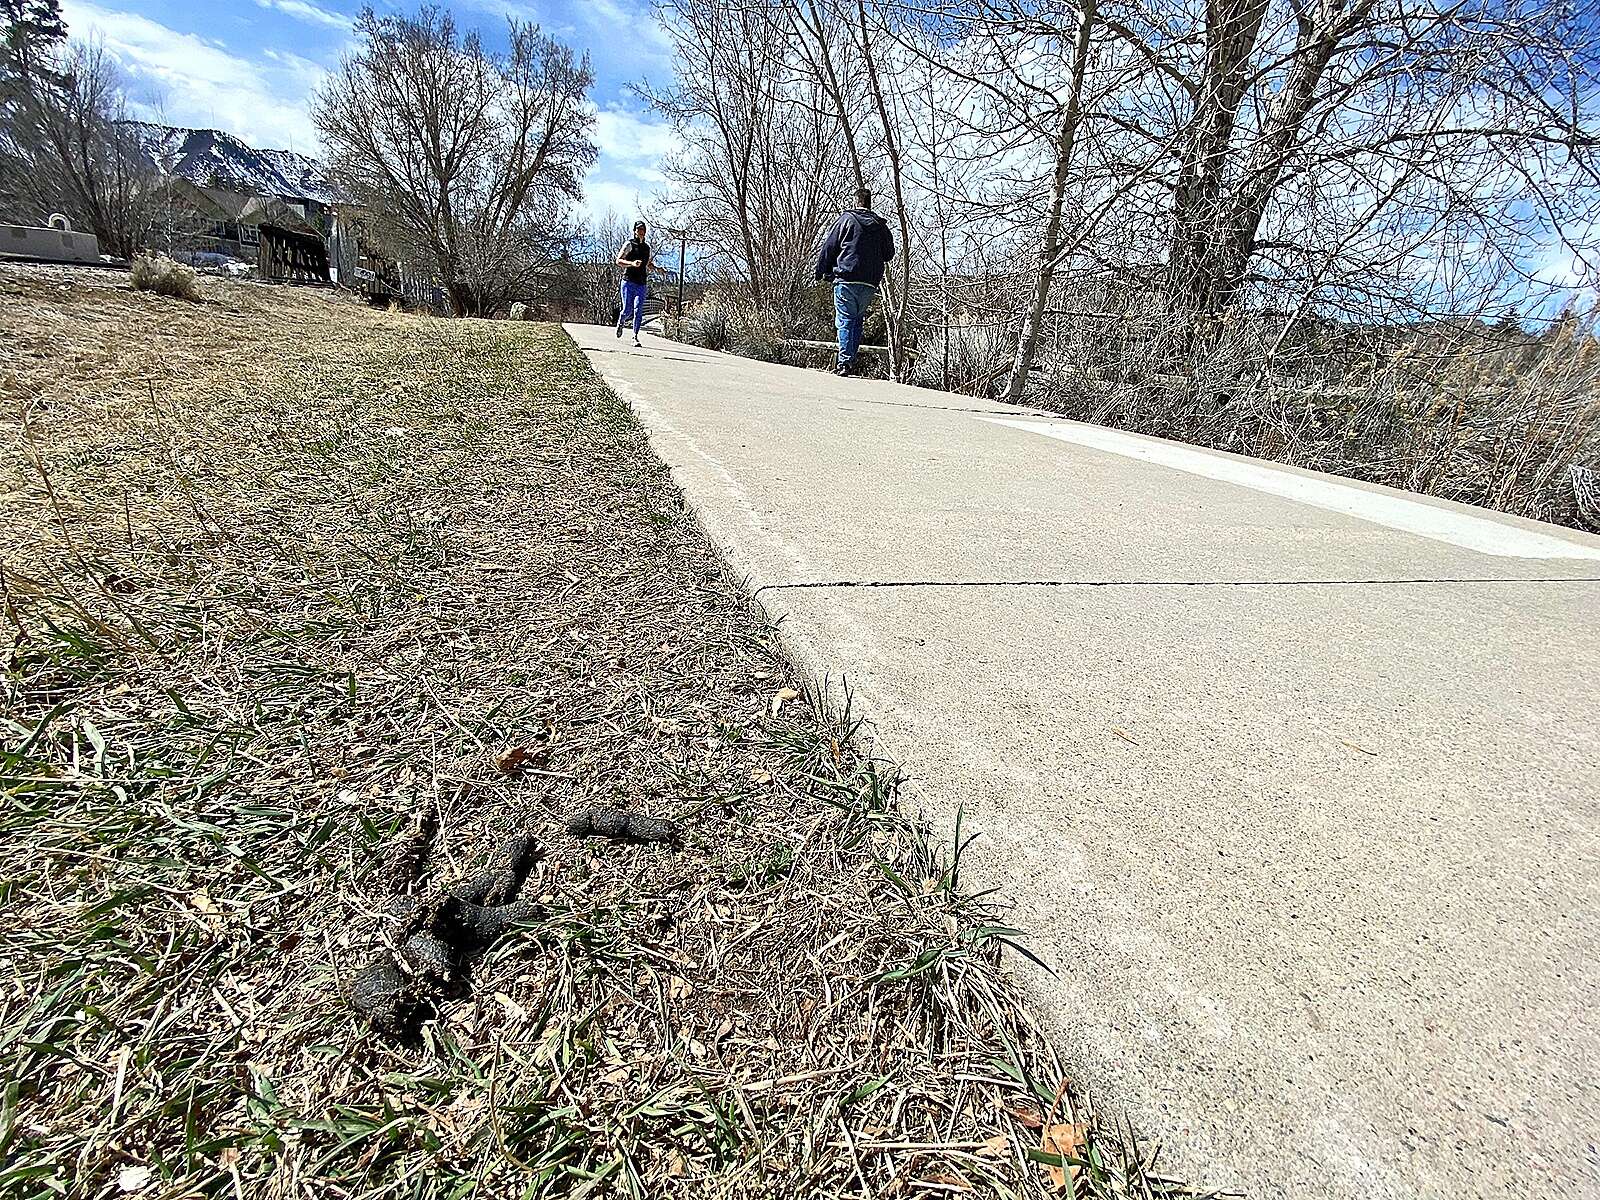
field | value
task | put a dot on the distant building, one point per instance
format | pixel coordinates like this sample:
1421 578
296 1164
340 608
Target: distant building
218 193
276 209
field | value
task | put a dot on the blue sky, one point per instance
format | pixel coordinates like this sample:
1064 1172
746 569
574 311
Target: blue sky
250 66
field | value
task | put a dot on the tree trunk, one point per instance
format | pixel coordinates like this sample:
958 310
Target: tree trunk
1195 262
895 310
1314 50
1050 250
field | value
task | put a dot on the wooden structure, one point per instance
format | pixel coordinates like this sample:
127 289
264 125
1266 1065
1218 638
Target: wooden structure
289 256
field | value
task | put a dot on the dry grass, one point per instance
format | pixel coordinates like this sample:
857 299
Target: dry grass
1488 417
279 571
159 274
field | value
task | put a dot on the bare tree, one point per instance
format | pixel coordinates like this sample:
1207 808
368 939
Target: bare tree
66 145
763 160
1050 247
594 250
469 156
1338 143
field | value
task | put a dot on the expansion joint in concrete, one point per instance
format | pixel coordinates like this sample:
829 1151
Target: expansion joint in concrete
823 584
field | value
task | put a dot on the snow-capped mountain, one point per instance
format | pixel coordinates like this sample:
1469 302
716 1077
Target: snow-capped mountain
212 159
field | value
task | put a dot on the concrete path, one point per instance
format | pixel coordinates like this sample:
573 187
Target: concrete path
1294 781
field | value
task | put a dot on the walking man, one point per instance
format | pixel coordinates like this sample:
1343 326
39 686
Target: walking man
637 261
853 257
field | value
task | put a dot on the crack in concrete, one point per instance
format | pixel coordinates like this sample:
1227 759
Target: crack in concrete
1163 583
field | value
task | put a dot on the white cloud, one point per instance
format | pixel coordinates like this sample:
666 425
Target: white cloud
312 13
627 177
628 21
1572 270
627 137
623 197
622 37
195 82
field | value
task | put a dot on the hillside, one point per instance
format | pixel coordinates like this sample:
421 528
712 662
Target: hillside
211 158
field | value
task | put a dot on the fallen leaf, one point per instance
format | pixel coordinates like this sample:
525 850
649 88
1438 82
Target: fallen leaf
133 1179
782 695
999 1146
679 988
761 775
1023 1117
1068 1141
513 759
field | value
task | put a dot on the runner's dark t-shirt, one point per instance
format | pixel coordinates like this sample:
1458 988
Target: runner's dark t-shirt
636 251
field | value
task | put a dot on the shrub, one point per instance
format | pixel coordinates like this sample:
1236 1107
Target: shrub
758 336
713 320
159 274
1492 416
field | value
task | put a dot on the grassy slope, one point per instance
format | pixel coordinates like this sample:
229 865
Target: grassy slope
281 571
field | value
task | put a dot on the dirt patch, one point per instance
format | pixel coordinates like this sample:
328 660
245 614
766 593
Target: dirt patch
281 574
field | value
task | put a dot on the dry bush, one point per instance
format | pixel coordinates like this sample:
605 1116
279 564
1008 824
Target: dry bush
710 324
1512 425
758 335
969 358
1487 416
159 274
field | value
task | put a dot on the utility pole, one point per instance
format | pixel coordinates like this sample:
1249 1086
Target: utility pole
683 253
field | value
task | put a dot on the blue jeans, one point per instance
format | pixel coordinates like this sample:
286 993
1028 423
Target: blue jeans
632 306
850 304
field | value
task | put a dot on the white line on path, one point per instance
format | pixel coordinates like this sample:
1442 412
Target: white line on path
1484 534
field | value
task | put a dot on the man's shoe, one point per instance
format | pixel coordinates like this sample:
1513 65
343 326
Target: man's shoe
619 328
638 343
842 370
